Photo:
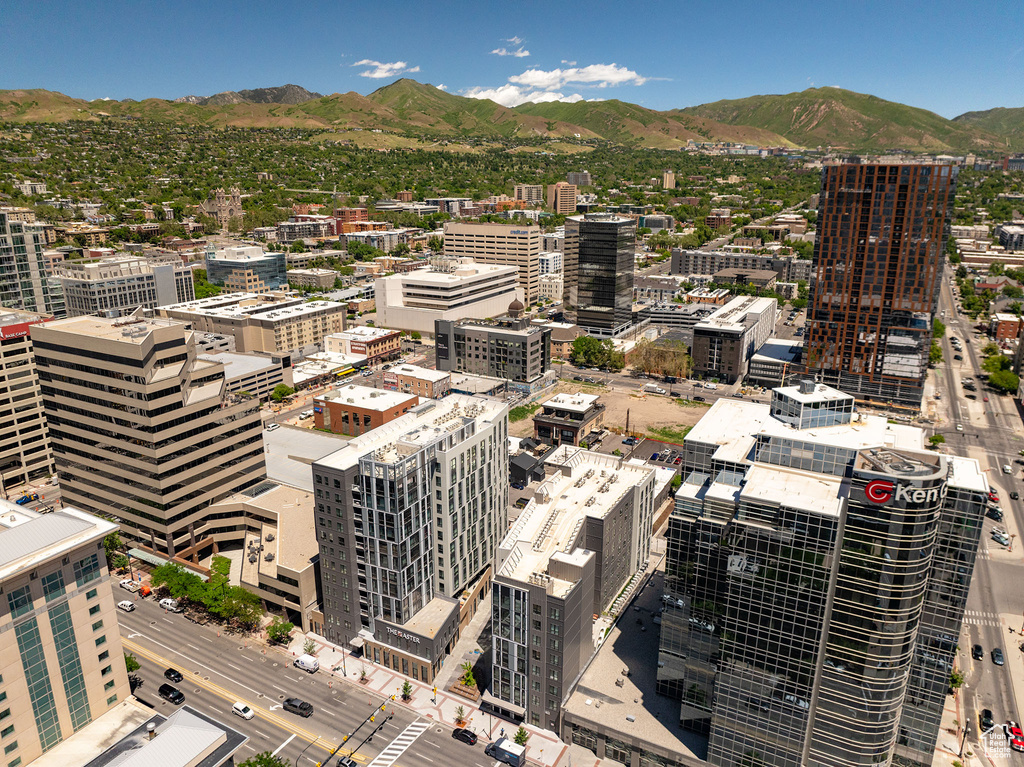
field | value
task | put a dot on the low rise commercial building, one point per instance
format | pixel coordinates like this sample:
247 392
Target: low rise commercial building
253 373
246 269
683 317
562 336
324 368
322 279
551 287
120 284
509 347
566 418
514 245
788 268
449 289
724 342
423 382
584 533
408 520
274 323
656 289
355 410
61 659
774 363
25 453
376 344
1004 326
762 279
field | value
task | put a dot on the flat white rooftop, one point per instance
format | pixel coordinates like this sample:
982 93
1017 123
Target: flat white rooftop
732 424
29 538
967 474
777 485
427 374
420 426
821 393
574 403
552 520
732 316
368 398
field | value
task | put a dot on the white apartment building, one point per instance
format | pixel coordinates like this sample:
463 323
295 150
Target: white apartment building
120 284
550 261
515 245
550 287
449 289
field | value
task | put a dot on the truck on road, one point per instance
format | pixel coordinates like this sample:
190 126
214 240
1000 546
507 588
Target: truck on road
507 751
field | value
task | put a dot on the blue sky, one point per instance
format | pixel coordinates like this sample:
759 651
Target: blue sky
949 57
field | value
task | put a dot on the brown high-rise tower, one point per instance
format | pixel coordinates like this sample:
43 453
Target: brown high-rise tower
878 266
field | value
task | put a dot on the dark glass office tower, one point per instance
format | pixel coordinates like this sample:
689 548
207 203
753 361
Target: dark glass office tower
603 264
817 571
878 266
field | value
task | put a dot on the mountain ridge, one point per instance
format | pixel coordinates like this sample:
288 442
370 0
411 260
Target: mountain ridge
832 117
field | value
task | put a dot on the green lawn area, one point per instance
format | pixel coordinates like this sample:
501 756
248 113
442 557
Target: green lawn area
522 412
668 433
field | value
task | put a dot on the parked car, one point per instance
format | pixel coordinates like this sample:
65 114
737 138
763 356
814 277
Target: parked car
1014 495
129 585
27 498
297 706
242 710
127 605
273 426
171 694
1014 735
1000 536
466 736
655 457
518 485
997 656
698 398
987 722
173 675
977 652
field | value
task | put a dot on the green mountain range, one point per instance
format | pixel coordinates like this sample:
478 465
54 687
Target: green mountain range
826 117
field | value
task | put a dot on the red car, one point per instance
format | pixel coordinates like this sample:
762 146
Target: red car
993 497
1014 735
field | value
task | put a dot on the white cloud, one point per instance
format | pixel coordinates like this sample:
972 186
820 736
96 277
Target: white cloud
570 63
512 95
519 53
379 70
442 87
594 76
514 40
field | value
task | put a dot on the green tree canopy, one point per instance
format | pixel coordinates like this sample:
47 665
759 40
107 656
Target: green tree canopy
265 759
1005 380
281 391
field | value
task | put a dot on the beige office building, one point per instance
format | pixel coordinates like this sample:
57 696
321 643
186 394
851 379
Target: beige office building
61 660
516 245
144 431
24 446
562 198
532 194
274 323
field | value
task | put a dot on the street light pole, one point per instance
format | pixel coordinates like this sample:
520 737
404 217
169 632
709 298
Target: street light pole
967 730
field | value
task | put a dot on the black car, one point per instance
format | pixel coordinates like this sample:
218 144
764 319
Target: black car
987 721
995 515
977 653
466 736
997 656
699 398
957 357
1014 495
173 674
300 707
171 694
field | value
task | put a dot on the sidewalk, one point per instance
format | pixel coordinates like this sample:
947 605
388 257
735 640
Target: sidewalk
543 747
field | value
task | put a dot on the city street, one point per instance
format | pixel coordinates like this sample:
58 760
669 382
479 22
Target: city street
221 668
995 607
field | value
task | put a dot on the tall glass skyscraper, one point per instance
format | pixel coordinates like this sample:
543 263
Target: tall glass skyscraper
878 259
599 255
817 571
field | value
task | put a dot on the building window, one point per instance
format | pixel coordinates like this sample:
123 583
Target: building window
8 730
109 684
106 670
94 609
101 641
90 593
103 655
97 625
112 699
87 570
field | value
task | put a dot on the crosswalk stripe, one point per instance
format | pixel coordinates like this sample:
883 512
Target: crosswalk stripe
399 745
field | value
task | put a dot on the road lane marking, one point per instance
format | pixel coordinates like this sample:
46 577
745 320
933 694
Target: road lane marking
264 735
278 688
191 645
281 747
236 668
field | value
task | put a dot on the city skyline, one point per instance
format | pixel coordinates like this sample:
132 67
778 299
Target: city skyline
526 59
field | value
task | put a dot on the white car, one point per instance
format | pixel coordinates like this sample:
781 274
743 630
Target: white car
959 427
242 710
273 426
1000 536
129 585
127 605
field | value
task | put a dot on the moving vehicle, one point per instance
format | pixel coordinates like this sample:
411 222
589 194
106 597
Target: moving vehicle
297 706
242 710
466 736
653 389
997 656
977 652
507 751
129 585
987 722
171 694
959 427
307 663
1014 735
273 426
1007 469
27 498
698 398
173 675
1014 495
127 605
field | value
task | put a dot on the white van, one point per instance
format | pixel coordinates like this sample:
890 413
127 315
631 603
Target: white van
1007 469
307 663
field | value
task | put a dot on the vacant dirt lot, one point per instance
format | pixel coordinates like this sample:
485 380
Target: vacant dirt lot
646 411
